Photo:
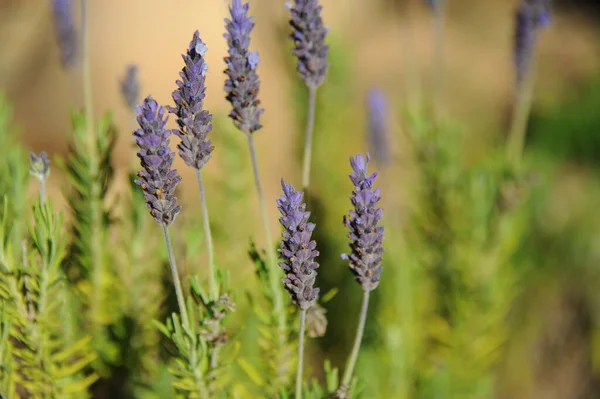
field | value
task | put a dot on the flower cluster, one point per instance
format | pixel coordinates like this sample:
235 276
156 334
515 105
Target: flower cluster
39 166
366 236
156 179
309 40
194 122
242 85
66 34
531 16
297 248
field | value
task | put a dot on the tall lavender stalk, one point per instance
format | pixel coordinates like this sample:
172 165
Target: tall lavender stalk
309 46
242 87
298 252
158 180
530 18
366 246
378 130
194 125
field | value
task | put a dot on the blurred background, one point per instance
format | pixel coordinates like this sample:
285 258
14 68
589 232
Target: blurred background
550 300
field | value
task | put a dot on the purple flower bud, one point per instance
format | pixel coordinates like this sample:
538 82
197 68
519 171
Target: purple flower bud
531 16
366 236
309 40
378 130
66 34
130 86
297 249
39 166
242 84
194 122
157 179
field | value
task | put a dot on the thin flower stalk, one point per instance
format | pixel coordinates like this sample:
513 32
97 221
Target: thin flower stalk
242 88
195 124
308 35
158 180
365 258
298 253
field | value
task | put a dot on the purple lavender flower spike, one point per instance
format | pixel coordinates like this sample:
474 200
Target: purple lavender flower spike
242 85
378 128
194 122
66 34
309 40
157 179
130 86
531 16
365 233
297 249
39 166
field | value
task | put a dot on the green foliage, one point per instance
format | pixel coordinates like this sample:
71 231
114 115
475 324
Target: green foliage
89 263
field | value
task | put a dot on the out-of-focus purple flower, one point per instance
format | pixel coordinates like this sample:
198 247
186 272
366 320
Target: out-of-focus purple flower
66 34
194 122
242 84
39 166
363 221
130 86
531 16
297 249
378 130
157 179
433 4
309 40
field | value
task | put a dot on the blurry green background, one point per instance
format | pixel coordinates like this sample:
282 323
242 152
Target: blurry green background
551 347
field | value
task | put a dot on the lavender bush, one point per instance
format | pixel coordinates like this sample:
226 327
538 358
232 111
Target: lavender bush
87 308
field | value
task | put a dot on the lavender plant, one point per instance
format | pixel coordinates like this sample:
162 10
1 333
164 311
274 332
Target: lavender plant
66 33
367 249
130 87
242 87
378 130
530 18
298 252
309 46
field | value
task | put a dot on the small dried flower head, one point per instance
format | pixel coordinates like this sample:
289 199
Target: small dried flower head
363 221
194 122
130 86
316 321
378 130
157 179
309 40
298 251
531 16
242 84
66 35
39 166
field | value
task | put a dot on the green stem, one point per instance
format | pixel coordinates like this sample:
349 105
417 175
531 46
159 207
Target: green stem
42 191
176 282
274 271
518 129
357 340
28 299
310 123
300 355
212 278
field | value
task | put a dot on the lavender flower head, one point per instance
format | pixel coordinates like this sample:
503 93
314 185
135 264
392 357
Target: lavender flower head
39 166
194 122
66 34
242 85
157 179
531 16
366 236
309 40
378 128
297 249
130 86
